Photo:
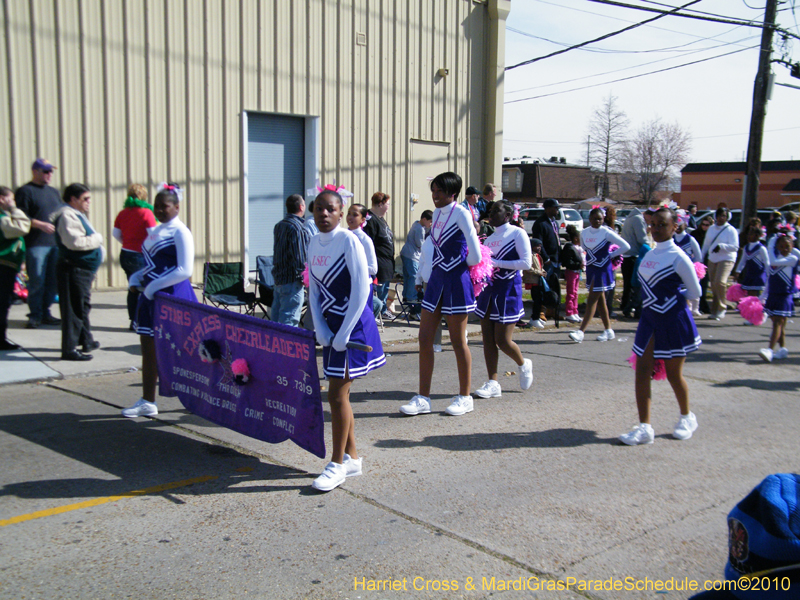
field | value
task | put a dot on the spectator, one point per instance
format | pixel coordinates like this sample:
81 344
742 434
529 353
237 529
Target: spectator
383 239
474 203
14 224
720 248
80 254
410 255
692 210
289 261
634 231
700 235
310 225
490 194
39 201
131 227
545 228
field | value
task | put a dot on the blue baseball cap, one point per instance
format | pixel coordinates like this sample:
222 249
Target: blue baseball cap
42 164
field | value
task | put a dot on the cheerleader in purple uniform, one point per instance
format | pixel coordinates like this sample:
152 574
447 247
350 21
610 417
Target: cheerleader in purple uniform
781 288
341 304
751 272
596 241
500 303
449 293
666 328
168 254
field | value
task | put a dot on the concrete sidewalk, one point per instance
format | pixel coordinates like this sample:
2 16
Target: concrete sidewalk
39 358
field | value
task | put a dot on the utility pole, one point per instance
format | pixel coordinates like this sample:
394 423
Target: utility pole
752 176
588 148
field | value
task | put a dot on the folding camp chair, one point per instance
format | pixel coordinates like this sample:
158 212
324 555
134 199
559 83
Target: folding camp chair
406 308
223 287
265 284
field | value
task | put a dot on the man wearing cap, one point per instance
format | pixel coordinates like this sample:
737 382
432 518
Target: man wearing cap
471 203
40 201
545 228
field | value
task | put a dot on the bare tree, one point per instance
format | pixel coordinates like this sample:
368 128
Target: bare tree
655 154
608 129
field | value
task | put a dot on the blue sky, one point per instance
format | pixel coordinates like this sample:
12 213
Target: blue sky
711 99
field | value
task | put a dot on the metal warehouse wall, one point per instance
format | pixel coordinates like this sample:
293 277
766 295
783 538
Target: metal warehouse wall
121 91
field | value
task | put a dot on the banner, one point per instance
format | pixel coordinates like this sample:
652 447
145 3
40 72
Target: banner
254 376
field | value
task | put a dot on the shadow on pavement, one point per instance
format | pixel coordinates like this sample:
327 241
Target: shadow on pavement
135 455
552 438
759 384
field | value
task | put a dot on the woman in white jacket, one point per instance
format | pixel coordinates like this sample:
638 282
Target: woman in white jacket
720 247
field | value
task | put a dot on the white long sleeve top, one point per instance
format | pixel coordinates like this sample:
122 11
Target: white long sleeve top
499 242
726 237
323 252
695 253
666 254
369 250
425 262
184 247
444 221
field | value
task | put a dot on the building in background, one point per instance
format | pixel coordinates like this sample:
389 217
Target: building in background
243 102
708 184
533 180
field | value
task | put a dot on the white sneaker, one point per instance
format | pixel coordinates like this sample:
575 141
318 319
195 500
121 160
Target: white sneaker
697 313
490 389
608 334
713 317
333 476
766 354
572 319
459 406
721 315
437 347
538 323
641 434
526 374
685 427
352 466
781 354
387 315
418 405
142 408
577 335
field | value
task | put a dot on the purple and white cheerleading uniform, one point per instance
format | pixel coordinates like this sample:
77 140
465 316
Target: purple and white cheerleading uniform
688 244
341 304
753 267
455 248
599 270
782 271
511 252
168 254
668 278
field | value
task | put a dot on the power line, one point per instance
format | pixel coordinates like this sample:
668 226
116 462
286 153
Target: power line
674 12
586 87
602 37
652 62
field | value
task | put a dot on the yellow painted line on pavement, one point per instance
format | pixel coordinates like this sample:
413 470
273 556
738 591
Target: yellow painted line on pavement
97 501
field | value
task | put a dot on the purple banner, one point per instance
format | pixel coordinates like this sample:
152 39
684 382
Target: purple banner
254 376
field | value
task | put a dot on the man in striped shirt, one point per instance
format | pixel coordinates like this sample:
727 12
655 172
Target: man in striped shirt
289 260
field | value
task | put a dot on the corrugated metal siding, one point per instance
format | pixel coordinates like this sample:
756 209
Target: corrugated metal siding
121 91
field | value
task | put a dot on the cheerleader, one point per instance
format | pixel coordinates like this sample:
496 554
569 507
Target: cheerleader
169 258
500 303
781 287
689 245
340 302
751 272
666 328
357 217
449 293
596 241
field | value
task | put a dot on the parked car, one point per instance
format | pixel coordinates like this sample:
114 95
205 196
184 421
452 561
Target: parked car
566 216
735 219
792 206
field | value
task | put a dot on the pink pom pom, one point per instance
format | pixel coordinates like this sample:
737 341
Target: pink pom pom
752 310
735 293
481 273
616 262
700 269
305 276
797 282
241 371
659 368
